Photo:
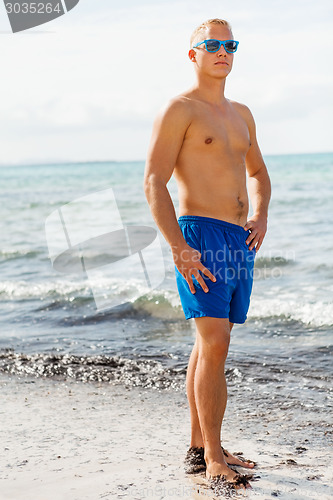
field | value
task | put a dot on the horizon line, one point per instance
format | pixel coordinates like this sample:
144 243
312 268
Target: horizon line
85 162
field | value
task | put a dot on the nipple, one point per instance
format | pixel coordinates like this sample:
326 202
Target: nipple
209 140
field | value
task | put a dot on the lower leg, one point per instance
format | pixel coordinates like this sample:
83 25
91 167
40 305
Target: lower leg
211 398
210 391
196 434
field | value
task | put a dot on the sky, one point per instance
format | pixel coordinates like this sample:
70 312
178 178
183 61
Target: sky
87 86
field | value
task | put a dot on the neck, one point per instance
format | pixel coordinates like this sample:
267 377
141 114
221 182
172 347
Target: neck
210 89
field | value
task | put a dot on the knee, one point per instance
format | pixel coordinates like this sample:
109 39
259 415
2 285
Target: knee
215 346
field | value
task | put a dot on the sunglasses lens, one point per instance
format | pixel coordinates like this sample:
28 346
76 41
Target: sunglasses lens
212 45
231 46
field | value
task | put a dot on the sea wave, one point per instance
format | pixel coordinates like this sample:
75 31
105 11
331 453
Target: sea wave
317 314
274 261
22 289
13 254
160 303
56 293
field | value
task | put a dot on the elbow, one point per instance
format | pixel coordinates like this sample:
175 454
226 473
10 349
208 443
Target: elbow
146 181
147 186
150 183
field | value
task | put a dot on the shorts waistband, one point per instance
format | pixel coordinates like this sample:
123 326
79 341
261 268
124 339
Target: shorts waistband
217 222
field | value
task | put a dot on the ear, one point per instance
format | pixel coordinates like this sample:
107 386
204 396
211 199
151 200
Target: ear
192 54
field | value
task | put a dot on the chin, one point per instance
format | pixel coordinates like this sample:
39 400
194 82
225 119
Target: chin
222 72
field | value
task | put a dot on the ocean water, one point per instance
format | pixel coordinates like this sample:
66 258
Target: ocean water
50 326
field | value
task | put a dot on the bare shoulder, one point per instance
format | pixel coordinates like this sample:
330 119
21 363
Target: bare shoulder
244 111
179 108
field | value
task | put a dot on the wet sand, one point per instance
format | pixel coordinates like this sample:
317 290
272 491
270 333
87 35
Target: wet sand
70 440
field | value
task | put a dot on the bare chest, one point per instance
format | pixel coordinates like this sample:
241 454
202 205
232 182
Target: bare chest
219 133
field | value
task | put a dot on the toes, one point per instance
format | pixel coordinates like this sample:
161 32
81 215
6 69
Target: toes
237 459
247 463
240 481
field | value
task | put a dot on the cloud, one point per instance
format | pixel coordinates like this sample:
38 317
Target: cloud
103 70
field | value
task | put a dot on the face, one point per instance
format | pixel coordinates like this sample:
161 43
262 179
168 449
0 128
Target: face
216 64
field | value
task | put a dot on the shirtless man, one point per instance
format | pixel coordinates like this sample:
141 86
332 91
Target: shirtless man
208 143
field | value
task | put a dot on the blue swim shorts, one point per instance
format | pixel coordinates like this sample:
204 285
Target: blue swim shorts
227 256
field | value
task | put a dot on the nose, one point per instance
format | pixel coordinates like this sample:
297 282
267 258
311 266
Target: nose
222 51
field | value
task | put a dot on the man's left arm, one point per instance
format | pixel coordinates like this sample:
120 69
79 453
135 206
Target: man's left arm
259 186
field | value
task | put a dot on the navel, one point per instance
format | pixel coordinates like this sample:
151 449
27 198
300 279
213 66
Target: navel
209 140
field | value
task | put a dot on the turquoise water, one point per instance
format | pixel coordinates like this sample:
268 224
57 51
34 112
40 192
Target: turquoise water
44 311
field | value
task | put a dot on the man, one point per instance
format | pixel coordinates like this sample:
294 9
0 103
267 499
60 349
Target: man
209 142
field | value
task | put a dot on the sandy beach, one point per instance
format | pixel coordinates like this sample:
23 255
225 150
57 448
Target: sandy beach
69 440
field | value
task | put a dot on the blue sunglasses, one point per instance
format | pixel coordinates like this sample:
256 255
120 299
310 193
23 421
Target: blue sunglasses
212 45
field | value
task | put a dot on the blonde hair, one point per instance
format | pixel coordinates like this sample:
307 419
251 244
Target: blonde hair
205 25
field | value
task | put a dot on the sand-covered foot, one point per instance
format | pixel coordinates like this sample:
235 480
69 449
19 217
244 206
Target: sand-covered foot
236 459
220 475
194 460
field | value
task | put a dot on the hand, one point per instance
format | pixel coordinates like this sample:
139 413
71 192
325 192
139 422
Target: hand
258 227
187 260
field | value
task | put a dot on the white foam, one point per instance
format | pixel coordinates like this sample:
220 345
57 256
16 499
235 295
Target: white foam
28 290
317 313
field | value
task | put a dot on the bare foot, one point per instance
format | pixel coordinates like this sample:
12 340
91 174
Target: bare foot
234 460
219 471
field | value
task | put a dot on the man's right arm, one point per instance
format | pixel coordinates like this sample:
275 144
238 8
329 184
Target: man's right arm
166 141
168 134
